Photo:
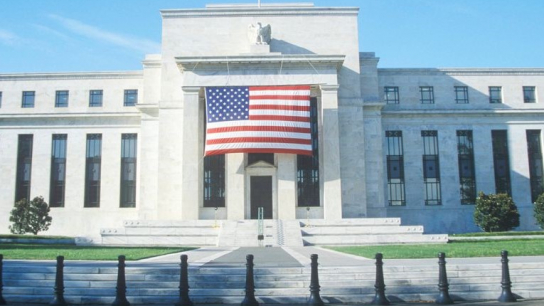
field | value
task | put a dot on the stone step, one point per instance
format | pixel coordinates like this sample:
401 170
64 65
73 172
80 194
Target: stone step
351 222
361 230
373 239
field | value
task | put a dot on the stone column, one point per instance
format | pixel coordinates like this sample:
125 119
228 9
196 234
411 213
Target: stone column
287 186
330 156
191 178
235 181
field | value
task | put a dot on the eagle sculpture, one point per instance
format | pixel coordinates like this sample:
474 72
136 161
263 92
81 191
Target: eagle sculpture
259 35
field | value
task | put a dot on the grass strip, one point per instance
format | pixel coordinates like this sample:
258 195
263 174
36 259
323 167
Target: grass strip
72 252
4 236
481 248
483 234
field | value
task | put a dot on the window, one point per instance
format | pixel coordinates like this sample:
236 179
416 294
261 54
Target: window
308 166
534 148
461 94
501 162
427 94
529 94
28 99
395 168
392 95
495 94
92 170
431 168
58 170
214 181
61 98
95 98
467 177
129 151
0 99
131 97
24 167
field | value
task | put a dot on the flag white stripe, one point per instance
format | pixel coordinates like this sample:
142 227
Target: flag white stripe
258 145
280 102
236 123
227 135
279 93
278 112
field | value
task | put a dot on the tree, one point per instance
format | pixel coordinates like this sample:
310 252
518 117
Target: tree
30 216
496 212
539 210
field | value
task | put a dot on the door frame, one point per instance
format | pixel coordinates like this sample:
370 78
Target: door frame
261 169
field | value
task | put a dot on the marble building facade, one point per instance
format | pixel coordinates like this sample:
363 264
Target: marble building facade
132 143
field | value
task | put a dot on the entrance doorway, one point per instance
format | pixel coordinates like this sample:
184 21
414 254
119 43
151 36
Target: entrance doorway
261 196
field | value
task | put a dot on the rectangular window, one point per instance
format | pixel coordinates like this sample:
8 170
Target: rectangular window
28 99
92 170
392 95
95 98
129 151
395 168
308 166
131 97
61 98
501 161
534 148
24 167
427 94
58 170
529 94
214 181
467 177
461 94
495 94
431 168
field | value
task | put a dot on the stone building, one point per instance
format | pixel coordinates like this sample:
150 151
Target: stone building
104 147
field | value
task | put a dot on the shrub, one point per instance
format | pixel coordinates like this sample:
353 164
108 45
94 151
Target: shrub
30 216
539 210
496 212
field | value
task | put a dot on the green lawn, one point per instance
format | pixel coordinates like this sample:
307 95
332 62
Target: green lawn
72 252
481 248
484 234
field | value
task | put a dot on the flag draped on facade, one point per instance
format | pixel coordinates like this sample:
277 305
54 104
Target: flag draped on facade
258 119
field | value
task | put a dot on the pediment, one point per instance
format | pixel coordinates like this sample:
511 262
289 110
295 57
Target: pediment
261 165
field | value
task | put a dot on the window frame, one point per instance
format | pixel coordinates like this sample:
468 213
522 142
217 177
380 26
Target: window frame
28 99
94 94
525 90
308 175
465 156
59 94
430 91
130 94
432 185
93 157
24 164
463 90
495 90
57 187
391 90
395 156
501 156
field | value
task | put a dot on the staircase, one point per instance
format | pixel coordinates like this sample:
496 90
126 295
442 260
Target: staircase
371 231
244 233
85 284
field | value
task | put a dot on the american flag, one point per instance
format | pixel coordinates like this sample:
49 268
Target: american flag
258 119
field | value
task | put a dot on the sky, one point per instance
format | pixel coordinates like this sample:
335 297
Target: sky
114 35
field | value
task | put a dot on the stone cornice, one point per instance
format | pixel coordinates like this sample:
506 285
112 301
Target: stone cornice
69 115
72 76
461 71
463 112
192 63
255 11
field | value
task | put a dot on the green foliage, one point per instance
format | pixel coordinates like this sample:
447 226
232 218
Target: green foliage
496 212
539 210
30 216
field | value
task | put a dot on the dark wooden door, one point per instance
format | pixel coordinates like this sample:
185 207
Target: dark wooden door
261 196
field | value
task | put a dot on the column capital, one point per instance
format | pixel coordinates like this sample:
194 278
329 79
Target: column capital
329 87
191 89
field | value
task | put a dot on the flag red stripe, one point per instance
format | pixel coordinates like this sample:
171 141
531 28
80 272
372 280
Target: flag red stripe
248 150
258 129
258 139
295 87
279 118
281 107
279 97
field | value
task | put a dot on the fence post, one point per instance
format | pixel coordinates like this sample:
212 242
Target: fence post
121 293
506 284
443 286
315 298
249 299
184 299
58 300
379 298
2 301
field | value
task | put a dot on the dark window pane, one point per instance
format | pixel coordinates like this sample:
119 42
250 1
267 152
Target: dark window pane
129 147
534 148
308 167
461 94
529 94
395 168
58 170
214 181
61 98
95 98
495 94
392 95
427 94
28 99
24 167
93 168
131 97
431 168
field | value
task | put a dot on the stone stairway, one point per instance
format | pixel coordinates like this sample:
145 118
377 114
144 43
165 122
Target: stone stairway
369 231
158 284
244 233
